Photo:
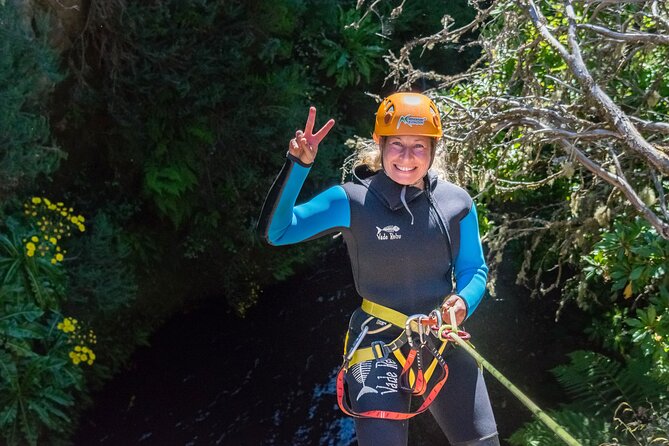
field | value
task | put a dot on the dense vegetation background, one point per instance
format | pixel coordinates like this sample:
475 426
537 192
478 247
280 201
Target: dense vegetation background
137 141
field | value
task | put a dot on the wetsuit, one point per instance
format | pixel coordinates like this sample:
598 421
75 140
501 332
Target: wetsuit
405 245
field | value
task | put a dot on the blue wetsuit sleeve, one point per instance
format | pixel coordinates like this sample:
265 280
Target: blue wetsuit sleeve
283 223
471 271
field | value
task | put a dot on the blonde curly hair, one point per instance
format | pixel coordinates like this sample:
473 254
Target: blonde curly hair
368 153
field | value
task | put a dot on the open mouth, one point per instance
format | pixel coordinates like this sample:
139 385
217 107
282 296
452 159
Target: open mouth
405 169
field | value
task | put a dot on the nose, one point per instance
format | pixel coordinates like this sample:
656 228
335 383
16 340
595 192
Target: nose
406 152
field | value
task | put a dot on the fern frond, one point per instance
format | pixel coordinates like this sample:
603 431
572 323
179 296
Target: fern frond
589 431
598 384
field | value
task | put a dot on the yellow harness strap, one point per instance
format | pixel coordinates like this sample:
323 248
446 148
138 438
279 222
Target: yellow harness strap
397 319
387 314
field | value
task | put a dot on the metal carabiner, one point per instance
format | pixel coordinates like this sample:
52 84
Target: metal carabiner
437 315
408 329
364 329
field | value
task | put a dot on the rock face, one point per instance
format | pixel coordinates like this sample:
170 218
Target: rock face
66 19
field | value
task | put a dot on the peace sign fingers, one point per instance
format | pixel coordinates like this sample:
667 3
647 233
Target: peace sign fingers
305 144
315 138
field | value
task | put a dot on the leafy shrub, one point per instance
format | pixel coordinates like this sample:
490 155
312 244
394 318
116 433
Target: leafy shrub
602 389
41 352
28 73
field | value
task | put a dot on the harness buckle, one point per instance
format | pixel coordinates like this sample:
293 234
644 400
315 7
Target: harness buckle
380 350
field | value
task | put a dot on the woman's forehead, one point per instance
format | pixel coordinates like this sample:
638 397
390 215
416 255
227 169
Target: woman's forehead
412 138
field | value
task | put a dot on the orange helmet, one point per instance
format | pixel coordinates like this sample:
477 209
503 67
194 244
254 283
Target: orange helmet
407 114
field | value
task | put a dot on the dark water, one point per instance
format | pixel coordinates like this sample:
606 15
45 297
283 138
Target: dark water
210 378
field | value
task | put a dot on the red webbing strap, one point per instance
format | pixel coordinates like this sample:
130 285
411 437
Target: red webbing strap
420 384
386 414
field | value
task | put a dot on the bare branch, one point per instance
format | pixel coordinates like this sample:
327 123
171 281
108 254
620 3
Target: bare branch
633 37
650 126
609 110
620 184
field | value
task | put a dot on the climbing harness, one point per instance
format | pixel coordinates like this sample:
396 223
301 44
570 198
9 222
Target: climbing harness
418 331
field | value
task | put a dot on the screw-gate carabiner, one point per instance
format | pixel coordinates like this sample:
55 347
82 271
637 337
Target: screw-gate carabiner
408 329
364 329
435 314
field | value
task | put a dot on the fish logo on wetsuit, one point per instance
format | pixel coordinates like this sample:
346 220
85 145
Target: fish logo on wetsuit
360 372
385 383
389 232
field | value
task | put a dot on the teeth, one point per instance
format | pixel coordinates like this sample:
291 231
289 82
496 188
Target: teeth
405 169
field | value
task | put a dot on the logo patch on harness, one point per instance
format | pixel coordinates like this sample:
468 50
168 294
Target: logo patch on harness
390 232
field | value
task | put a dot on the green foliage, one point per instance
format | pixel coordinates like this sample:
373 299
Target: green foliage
601 388
598 384
102 279
28 72
199 99
103 291
630 261
356 54
41 281
39 383
587 430
631 257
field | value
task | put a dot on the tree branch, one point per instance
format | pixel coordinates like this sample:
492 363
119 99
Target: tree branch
621 184
616 118
633 37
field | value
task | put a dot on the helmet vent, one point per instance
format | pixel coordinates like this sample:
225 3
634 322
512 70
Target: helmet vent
387 118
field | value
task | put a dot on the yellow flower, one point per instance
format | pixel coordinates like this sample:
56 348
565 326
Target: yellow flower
47 202
53 240
30 253
59 257
30 246
53 261
34 238
36 200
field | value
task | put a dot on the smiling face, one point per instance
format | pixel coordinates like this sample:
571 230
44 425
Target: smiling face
406 158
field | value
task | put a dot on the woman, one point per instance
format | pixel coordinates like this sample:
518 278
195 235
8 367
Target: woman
407 234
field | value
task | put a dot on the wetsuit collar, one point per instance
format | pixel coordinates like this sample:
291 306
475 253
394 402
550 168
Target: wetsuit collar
390 192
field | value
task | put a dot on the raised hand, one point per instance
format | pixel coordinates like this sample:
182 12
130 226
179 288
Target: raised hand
305 144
